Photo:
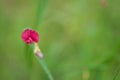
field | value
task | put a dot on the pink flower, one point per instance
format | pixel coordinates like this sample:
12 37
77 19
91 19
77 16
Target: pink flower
30 36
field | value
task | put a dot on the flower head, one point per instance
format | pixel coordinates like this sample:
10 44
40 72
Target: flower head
30 36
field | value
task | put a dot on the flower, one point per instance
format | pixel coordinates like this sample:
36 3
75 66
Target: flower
30 36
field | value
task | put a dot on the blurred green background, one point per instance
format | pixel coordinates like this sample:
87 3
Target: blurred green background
80 39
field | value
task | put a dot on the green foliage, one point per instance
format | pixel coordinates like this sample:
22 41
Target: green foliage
79 38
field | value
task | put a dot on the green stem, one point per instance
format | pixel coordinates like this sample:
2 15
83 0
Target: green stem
44 66
41 7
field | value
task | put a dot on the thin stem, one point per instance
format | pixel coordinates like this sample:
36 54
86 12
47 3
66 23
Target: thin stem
43 64
116 73
41 7
39 56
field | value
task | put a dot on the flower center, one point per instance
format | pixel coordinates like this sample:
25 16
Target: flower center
29 40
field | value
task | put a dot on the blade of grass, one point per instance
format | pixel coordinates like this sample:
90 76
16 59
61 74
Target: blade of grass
41 7
28 56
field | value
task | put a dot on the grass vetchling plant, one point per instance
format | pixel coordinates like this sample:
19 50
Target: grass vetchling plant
31 37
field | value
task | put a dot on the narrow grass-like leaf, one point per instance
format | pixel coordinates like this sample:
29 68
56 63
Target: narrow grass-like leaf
44 66
28 56
41 7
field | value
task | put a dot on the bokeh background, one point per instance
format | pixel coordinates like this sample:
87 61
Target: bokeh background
80 39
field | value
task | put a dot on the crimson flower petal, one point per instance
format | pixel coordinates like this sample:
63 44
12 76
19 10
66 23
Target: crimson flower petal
29 36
